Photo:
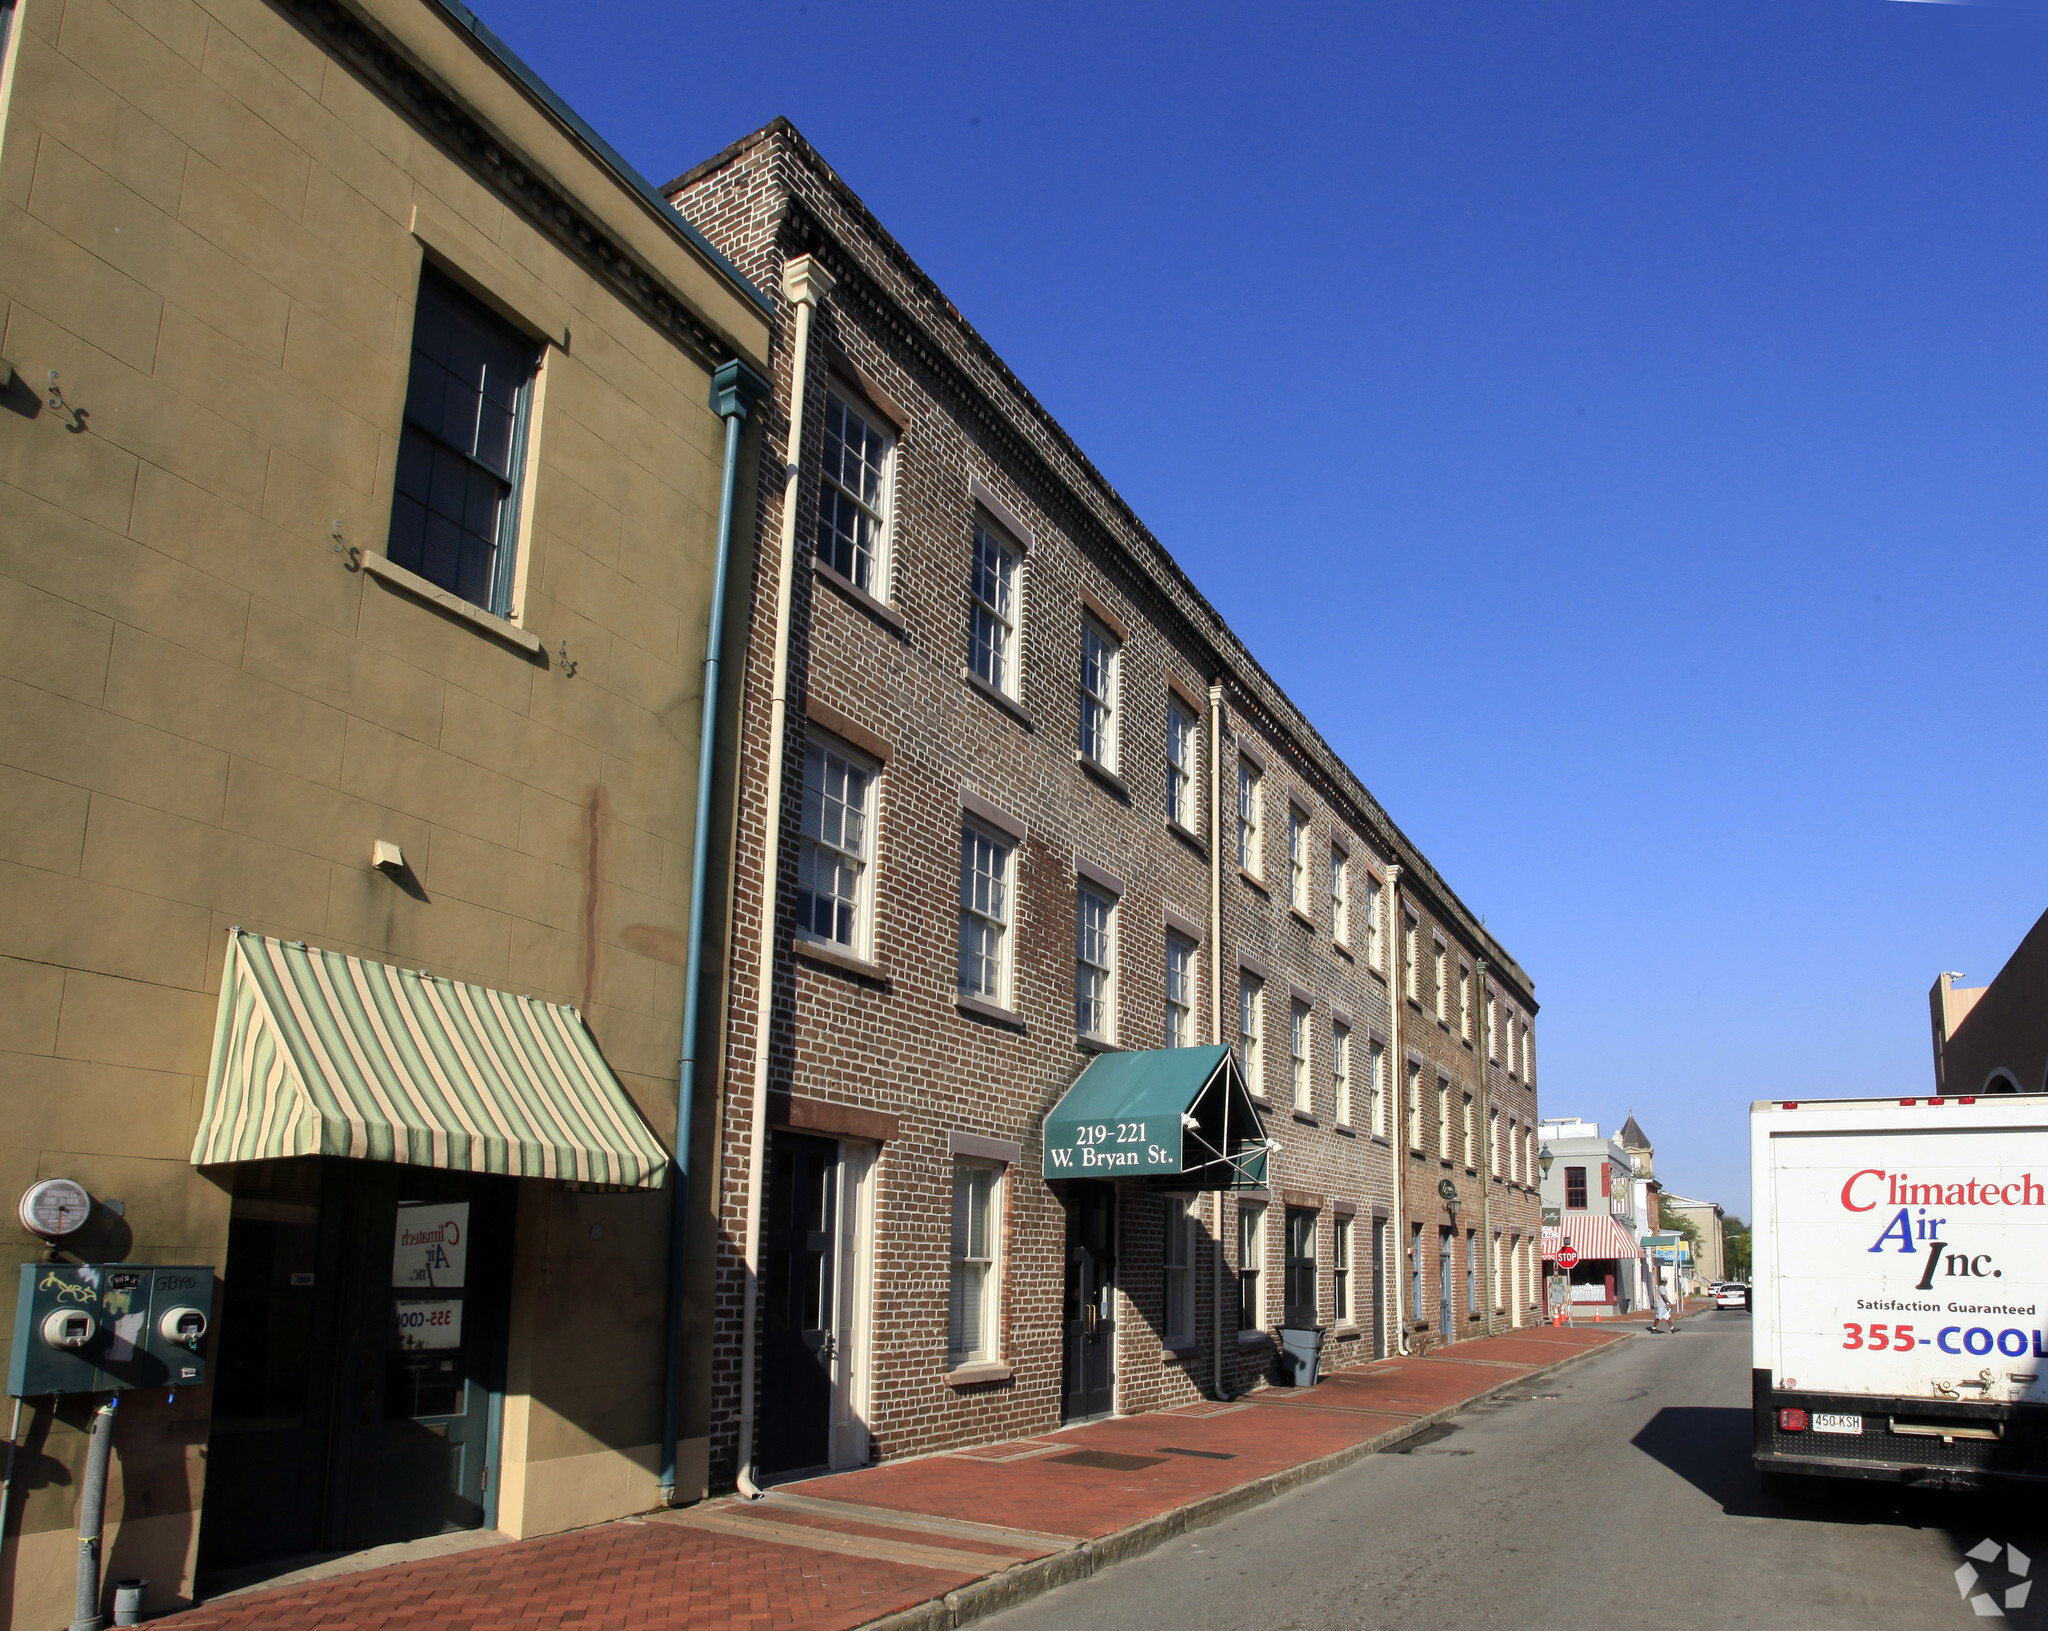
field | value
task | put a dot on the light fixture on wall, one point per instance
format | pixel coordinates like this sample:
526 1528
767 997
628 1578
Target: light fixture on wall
1544 1158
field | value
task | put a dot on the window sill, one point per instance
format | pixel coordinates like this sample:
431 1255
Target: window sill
1346 1333
1102 773
1254 1339
1253 879
881 611
1306 1119
1174 1353
1259 1099
1344 951
1376 972
1302 918
1189 837
1345 1128
1002 699
498 628
1382 1140
1096 1044
978 1373
995 1012
817 951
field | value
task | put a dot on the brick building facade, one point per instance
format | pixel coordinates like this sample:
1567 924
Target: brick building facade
1037 803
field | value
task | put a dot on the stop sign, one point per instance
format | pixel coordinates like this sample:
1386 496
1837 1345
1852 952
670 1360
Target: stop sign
1567 1257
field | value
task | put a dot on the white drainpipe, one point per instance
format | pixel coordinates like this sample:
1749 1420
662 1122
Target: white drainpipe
804 283
1216 994
1397 987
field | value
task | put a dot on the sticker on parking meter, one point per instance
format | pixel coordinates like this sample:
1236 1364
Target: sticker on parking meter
429 1324
430 1245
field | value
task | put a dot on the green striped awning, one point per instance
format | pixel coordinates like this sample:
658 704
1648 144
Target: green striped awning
317 1053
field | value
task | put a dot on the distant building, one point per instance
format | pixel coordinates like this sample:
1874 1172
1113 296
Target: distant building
1709 1259
1590 1201
1994 1038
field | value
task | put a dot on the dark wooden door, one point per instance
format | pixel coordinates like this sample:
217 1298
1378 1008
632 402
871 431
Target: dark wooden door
1089 1383
800 1255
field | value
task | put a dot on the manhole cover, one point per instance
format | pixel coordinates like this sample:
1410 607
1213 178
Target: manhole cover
1206 1455
1107 1460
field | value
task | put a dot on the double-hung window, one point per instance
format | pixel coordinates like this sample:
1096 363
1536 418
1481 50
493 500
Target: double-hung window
1297 1056
1411 971
853 497
1443 1118
462 449
1493 1161
1175 1258
1376 1086
1300 1286
1414 1106
1095 965
1469 1150
1251 1009
1464 1002
1099 663
1340 896
1251 1254
1443 986
1340 1269
1575 1189
1372 921
992 631
832 858
977 1204
1183 753
1180 991
984 915
1251 796
1297 860
1340 1072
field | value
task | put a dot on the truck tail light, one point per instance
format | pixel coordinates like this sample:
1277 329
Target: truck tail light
1792 1419
1907 1102
1967 1098
1789 1104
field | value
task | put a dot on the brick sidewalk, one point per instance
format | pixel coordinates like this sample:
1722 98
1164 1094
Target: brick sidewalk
850 1548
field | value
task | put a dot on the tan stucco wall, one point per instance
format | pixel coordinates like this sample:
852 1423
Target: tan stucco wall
207 227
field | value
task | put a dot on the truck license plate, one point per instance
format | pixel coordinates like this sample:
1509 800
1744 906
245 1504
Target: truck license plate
1823 1423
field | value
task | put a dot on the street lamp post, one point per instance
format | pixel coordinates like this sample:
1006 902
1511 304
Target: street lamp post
1543 1160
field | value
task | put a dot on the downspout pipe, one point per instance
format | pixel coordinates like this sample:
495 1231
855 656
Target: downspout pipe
734 389
1486 1129
1397 1144
804 284
1216 1004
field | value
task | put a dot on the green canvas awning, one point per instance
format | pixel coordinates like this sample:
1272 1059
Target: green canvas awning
317 1053
1179 1114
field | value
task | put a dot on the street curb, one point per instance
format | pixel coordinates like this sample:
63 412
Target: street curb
1023 1581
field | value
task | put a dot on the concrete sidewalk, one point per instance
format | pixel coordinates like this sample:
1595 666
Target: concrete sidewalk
925 1543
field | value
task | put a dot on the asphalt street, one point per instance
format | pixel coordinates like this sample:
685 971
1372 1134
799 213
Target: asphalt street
1615 1493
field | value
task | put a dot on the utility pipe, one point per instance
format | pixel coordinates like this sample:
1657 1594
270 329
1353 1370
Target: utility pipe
92 1514
1216 1003
804 284
1485 1052
1397 1154
734 389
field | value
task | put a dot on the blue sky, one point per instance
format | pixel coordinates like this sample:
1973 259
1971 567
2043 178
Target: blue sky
1622 425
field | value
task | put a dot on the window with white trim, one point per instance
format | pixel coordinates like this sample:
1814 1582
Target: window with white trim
1443 1118
853 496
1376 1085
1469 1150
1493 1143
1180 991
1464 1001
1176 1259
1095 965
1251 798
462 447
992 628
1100 659
977 1229
1297 1056
833 878
1251 1258
1411 959
1492 1029
1340 1071
984 914
1251 1012
1443 985
1297 859
1340 896
1372 921
1415 1106
1528 1056
1183 764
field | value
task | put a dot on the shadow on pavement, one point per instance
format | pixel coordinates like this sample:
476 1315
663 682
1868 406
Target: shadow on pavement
1999 1535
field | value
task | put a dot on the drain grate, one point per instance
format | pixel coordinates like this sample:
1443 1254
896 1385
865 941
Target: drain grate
1206 1455
1107 1460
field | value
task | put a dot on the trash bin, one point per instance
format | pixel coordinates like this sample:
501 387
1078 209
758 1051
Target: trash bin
1301 1349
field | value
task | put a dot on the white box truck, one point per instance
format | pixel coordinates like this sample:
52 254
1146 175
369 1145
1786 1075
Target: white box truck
1899 1288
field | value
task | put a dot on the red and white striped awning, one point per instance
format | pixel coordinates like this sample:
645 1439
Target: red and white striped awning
1594 1235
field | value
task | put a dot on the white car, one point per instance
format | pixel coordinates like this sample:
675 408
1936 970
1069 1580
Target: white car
1731 1294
